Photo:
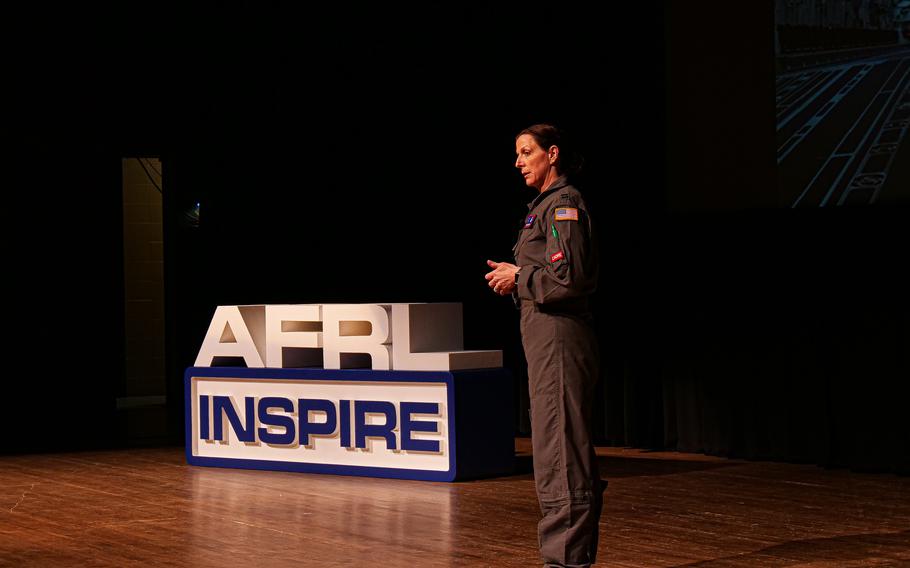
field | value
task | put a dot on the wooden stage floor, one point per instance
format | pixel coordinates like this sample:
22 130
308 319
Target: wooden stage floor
146 507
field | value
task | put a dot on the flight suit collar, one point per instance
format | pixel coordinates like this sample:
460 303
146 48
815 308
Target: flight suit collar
558 183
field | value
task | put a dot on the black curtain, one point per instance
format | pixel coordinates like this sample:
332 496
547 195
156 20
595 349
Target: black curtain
771 335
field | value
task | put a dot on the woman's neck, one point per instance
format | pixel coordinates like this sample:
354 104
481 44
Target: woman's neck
551 177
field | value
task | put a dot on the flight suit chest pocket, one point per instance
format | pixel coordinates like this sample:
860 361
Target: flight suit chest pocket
529 227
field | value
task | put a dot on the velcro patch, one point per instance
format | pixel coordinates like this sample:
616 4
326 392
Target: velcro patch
566 214
557 256
529 222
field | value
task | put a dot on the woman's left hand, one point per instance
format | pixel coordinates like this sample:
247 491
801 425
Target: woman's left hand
502 278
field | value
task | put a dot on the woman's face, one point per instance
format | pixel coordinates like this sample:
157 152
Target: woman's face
536 165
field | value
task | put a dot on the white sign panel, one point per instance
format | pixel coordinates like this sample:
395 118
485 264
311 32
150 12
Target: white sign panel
399 424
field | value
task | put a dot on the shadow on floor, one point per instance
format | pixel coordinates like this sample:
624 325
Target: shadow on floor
612 467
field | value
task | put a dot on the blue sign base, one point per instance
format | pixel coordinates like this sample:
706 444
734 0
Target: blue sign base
479 420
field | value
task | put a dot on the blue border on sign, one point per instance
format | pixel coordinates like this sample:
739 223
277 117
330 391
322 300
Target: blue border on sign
331 375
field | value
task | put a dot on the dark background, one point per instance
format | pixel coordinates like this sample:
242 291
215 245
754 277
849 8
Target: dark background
365 154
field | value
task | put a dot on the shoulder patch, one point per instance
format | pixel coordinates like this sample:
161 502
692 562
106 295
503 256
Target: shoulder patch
529 221
566 214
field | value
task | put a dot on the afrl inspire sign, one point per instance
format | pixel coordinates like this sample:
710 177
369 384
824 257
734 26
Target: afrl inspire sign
384 421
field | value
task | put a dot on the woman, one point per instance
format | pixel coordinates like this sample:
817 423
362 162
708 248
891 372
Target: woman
554 275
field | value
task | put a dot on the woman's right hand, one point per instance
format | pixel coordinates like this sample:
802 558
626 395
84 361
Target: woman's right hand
502 278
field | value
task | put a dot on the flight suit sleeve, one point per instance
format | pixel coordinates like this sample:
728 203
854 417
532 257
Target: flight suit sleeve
569 269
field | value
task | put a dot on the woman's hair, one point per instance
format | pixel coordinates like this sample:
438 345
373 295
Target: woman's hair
570 161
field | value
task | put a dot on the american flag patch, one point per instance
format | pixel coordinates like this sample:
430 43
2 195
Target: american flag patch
530 221
566 214
557 256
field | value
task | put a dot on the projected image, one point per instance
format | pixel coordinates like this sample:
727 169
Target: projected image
843 101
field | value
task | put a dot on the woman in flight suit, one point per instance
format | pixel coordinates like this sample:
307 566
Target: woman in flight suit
554 275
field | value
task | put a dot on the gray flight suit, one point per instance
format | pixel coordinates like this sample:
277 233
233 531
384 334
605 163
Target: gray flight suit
557 255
